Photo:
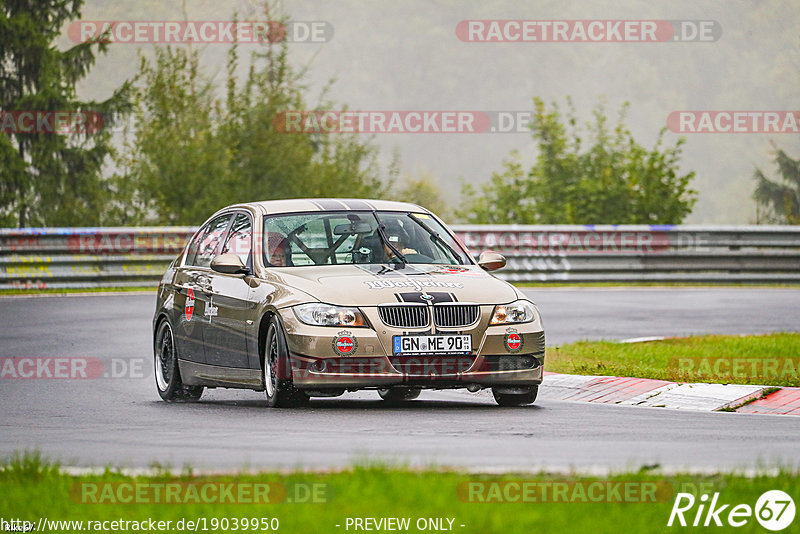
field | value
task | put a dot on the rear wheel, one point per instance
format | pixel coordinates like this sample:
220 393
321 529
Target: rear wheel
516 399
168 376
277 370
399 393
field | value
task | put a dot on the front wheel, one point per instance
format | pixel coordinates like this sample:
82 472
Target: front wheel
168 376
516 399
277 370
399 394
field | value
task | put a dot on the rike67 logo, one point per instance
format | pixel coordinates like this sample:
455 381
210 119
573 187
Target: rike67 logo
774 510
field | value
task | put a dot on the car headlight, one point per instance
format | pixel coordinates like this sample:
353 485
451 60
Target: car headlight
318 314
519 311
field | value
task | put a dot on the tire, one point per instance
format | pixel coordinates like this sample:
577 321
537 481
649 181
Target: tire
399 393
276 373
165 365
516 399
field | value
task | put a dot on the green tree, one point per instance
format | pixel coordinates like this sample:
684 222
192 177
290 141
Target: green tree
608 179
175 167
505 199
423 191
192 151
780 198
49 178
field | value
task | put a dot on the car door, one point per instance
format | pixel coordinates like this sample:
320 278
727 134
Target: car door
193 289
229 307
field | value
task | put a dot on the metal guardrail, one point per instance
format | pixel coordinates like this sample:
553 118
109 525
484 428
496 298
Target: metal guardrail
33 258
642 253
61 258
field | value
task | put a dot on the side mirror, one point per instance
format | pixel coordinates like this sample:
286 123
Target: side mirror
229 264
490 260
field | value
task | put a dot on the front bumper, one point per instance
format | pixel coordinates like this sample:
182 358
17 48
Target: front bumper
316 363
378 374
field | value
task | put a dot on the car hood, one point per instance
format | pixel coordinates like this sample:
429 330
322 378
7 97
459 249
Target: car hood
370 285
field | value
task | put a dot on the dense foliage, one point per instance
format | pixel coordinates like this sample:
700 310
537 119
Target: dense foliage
49 178
193 152
606 178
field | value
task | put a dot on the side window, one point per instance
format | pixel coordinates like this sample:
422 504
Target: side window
203 248
240 238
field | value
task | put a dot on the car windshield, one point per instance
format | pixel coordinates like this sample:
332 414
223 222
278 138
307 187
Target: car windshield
352 237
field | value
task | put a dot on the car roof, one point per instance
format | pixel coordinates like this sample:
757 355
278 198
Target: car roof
295 205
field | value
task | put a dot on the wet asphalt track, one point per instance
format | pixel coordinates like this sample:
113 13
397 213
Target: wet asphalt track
122 422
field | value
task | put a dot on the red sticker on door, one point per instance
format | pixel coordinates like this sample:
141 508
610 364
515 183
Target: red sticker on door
189 308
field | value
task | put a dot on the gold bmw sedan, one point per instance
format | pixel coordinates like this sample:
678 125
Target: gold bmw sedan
315 297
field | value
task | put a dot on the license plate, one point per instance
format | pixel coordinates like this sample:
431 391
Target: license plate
458 344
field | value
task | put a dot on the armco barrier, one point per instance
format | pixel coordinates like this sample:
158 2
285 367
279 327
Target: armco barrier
60 258
119 257
595 253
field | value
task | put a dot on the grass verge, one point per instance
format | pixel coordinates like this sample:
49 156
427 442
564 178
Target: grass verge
770 359
323 502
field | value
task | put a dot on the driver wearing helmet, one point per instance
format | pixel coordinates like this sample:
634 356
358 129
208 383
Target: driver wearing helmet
398 238
278 250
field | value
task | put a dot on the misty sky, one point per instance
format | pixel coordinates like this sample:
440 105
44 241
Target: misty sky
406 55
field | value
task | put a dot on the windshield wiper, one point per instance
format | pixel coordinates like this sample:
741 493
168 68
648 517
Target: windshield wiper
437 239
